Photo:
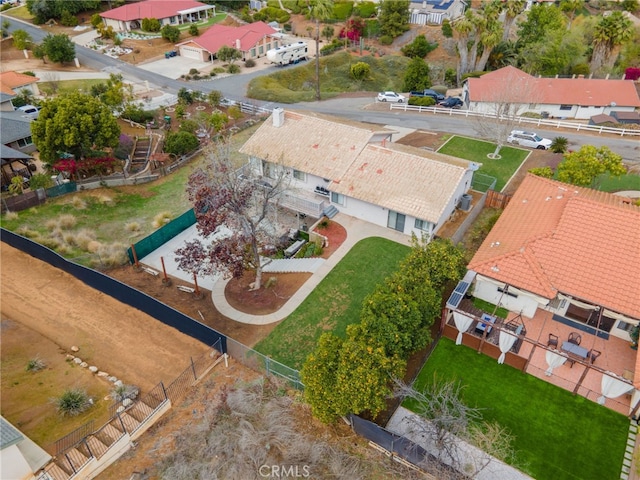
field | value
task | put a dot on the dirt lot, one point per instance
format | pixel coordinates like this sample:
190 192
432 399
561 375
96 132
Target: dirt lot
112 336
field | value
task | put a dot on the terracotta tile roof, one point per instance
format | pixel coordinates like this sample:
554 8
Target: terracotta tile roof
403 181
246 35
554 237
151 9
554 91
11 80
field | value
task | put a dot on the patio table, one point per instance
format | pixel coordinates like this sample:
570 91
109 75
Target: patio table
574 349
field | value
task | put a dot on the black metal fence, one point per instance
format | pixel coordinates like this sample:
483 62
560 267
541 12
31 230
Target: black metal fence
118 290
72 438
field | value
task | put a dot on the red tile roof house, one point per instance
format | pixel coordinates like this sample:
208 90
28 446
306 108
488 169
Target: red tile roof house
12 83
565 259
169 12
354 168
575 98
252 39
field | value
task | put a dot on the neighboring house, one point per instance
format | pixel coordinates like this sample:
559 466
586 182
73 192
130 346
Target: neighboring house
252 39
577 98
169 12
355 169
20 457
15 146
12 83
626 117
572 251
435 11
6 105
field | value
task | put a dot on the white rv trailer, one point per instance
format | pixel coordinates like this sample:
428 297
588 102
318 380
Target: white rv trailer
288 54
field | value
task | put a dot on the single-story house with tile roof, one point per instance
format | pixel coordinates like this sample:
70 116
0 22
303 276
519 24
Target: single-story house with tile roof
579 98
20 457
15 146
572 251
12 83
252 39
168 12
355 168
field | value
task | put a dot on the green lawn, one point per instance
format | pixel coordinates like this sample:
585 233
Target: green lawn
490 307
557 435
477 151
107 211
69 86
335 302
607 183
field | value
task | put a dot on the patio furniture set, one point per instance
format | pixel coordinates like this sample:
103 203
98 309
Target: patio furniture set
571 347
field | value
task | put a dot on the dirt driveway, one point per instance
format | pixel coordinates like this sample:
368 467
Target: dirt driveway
116 338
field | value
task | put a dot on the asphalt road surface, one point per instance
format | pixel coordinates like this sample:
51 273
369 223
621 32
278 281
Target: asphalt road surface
234 87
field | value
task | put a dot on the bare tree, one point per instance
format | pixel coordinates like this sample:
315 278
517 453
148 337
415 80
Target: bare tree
509 98
449 427
235 211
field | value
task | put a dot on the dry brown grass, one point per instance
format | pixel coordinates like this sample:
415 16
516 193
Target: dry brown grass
11 215
161 219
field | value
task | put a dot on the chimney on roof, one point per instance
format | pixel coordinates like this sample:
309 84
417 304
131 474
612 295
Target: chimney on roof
278 117
580 76
238 44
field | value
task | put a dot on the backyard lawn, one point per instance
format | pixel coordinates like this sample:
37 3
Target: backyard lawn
477 151
557 435
335 302
607 183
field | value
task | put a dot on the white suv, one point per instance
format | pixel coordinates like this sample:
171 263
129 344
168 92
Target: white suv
529 139
390 97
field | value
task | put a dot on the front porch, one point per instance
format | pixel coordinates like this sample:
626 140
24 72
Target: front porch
529 353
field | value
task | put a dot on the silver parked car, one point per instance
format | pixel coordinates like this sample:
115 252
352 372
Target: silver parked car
528 139
391 97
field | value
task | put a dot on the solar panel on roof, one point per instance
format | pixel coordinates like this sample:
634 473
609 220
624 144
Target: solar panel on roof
455 299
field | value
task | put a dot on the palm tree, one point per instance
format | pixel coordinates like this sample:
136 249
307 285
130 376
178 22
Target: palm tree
319 10
462 28
609 34
570 7
512 9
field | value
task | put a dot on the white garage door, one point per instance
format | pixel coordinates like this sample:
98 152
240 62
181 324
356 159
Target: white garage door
191 52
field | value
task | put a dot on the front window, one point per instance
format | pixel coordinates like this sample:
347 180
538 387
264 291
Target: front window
337 198
565 107
253 52
423 225
23 142
261 50
298 175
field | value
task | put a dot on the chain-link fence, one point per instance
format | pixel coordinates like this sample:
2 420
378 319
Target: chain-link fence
263 364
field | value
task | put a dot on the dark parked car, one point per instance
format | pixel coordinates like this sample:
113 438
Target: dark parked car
451 102
428 93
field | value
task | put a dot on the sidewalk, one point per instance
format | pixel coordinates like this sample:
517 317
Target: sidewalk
356 231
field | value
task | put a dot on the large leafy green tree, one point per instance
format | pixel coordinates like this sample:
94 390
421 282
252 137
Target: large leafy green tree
44 10
113 93
317 11
609 34
21 39
556 54
394 17
417 75
584 166
319 376
541 20
74 123
59 48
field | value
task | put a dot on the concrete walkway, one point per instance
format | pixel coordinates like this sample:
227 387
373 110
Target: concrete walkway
356 231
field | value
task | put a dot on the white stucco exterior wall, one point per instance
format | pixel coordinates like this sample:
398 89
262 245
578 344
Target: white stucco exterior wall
489 292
